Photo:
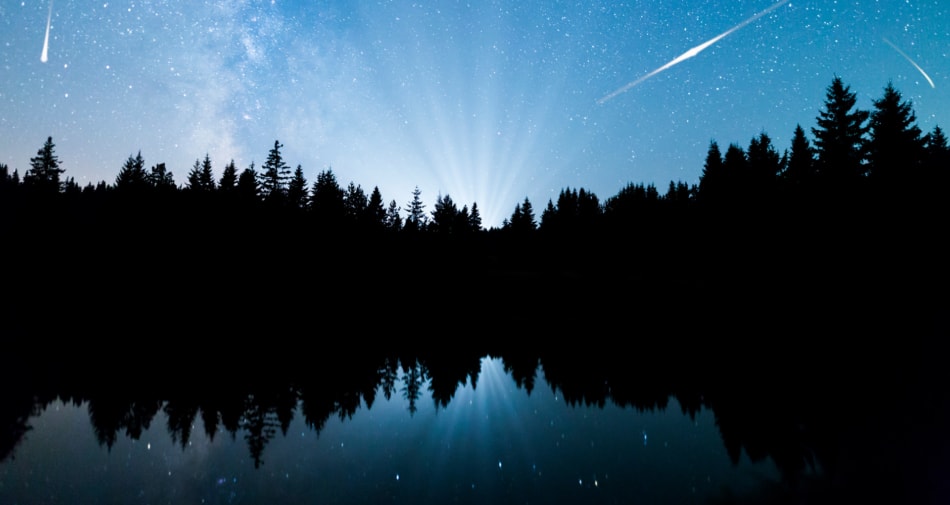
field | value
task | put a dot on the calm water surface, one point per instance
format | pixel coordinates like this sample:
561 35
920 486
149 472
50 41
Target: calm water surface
494 443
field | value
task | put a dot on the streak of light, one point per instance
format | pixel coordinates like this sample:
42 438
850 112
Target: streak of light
912 62
44 57
689 54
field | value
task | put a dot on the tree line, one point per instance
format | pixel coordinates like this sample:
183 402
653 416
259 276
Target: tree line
881 152
850 217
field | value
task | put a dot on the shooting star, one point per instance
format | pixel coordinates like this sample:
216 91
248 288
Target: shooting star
912 63
689 54
49 17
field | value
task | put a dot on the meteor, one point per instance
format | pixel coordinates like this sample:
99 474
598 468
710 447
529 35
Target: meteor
689 54
49 17
912 63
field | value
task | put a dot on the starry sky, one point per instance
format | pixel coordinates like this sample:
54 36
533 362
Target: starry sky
485 101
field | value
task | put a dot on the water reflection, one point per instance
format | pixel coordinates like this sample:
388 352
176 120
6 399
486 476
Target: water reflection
468 429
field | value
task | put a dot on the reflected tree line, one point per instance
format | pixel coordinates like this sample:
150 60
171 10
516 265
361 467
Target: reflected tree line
804 421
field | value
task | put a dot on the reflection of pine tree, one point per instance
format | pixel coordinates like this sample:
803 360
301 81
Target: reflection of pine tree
388 374
181 416
413 378
261 425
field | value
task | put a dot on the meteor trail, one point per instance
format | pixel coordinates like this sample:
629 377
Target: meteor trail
692 52
912 63
49 17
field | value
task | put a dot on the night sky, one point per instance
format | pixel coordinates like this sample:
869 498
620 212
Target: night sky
487 101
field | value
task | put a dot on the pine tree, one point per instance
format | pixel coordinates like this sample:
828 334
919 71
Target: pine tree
800 167
44 173
522 219
201 176
297 190
713 179
416 220
355 203
444 215
375 211
229 178
132 176
840 137
207 174
895 146
475 218
274 176
937 159
247 184
326 199
393 218
160 178
765 164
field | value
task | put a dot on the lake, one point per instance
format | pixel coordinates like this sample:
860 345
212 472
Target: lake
474 429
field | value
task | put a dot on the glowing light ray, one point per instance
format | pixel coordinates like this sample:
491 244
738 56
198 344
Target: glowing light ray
691 53
44 57
912 62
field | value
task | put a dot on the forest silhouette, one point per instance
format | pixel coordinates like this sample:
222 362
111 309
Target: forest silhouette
843 232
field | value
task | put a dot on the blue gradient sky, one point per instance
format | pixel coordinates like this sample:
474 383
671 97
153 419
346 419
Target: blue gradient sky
488 102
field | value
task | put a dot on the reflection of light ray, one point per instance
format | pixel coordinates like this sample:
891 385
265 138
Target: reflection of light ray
912 63
692 52
49 17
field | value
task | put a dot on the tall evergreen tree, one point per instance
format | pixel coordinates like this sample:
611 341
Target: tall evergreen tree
475 218
275 174
444 215
416 219
937 159
522 219
326 199
713 179
375 211
765 163
800 168
355 203
895 148
44 173
160 178
840 137
229 178
393 217
132 176
297 190
247 184
201 176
